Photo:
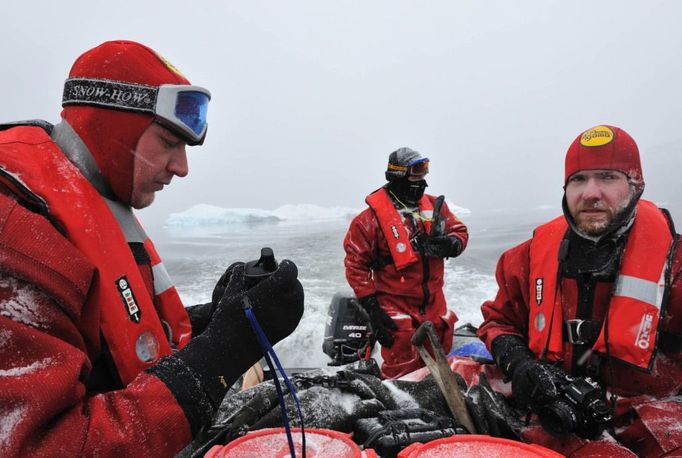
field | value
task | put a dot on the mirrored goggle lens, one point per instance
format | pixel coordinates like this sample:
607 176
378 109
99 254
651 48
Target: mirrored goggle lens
420 168
191 108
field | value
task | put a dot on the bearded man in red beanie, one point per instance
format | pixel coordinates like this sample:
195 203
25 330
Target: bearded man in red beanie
98 356
587 322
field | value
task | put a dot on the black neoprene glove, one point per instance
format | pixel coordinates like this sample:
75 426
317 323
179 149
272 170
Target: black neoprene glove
382 324
221 284
532 380
228 346
200 314
442 246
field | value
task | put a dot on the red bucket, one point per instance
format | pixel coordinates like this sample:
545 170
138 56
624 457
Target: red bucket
272 443
474 446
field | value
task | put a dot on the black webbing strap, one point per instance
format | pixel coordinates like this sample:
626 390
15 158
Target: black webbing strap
110 94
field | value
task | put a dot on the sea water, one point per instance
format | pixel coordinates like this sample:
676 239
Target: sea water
196 251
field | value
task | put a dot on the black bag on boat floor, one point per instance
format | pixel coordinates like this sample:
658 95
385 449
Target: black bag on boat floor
340 401
393 430
330 401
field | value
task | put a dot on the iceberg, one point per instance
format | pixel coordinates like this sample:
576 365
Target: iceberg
210 215
203 215
456 209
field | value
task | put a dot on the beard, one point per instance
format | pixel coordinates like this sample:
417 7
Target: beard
599 224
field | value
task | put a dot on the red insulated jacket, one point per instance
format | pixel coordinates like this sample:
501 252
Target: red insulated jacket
509 313
635 305
52 340
649 411
408 288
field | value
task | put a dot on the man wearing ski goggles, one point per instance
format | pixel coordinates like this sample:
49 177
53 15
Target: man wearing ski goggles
418 168
395 252
414 170
112 323
178 107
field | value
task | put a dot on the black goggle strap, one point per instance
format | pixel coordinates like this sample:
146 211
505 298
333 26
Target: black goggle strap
110 94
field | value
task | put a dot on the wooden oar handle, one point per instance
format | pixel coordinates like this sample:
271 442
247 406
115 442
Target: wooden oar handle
425 329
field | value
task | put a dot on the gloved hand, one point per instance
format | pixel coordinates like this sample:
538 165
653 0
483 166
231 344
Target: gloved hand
221 284
228 346
382 324
532 380
441 246
533 384
200 314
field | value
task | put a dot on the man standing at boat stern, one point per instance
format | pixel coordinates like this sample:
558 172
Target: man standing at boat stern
98 356
395 252
587 322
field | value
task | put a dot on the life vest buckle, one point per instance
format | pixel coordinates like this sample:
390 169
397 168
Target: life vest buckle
573 335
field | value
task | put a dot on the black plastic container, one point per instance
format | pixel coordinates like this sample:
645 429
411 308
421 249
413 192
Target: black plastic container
259 270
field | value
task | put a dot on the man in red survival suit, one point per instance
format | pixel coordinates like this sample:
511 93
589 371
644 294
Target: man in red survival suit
394 263
98 356
587 322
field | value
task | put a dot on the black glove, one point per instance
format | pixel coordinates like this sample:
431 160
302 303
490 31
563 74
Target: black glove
533 384
228 346
441 246
221 284
382 324
200 314
532 380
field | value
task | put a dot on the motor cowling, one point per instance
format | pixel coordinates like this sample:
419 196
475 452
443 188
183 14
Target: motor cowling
347 331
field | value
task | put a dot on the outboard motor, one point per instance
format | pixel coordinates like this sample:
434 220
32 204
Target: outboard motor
347 332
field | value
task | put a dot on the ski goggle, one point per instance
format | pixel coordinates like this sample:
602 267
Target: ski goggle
418 167
181 108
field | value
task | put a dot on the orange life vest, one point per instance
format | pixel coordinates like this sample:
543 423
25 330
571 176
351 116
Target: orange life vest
393 228
137 330
631 325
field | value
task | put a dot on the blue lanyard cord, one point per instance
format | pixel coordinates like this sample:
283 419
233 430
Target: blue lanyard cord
282 407
268 352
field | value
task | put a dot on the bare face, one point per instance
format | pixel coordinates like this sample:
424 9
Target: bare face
159 156
596 197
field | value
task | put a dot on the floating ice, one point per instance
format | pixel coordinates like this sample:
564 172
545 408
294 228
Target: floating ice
202 215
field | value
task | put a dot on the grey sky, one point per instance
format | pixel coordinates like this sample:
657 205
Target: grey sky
309 97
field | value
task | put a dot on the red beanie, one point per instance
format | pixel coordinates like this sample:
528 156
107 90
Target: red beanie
604 147
111 135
